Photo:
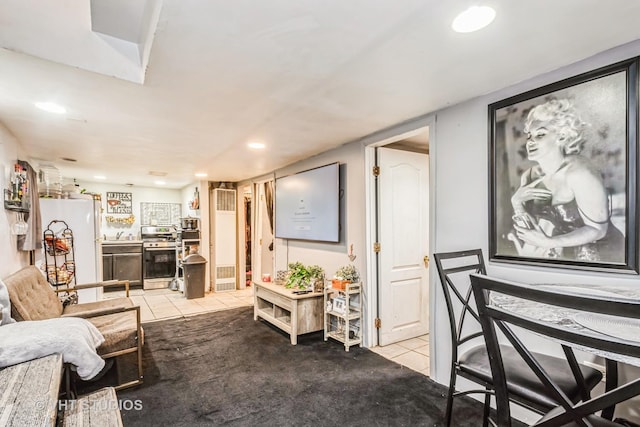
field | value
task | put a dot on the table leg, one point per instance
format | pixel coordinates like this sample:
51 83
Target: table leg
255 305
611 382
294 323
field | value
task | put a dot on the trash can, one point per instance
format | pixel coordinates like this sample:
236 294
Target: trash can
194 269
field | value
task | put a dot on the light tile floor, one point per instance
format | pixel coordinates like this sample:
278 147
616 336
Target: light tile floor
412 353
160 304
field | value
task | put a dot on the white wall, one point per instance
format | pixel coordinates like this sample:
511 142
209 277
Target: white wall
330 256
460 154
10 152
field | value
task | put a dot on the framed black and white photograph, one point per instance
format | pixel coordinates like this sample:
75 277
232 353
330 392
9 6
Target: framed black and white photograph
563 176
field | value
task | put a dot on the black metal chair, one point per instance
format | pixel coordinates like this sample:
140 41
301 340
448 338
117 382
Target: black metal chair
494 318
469 357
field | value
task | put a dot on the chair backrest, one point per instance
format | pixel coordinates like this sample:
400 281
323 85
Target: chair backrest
454 269
32 297
529 298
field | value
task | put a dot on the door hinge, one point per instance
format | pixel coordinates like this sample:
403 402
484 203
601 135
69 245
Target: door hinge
376 247
377 323
376 171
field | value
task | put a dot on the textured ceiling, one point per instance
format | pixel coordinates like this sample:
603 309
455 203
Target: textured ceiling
180 86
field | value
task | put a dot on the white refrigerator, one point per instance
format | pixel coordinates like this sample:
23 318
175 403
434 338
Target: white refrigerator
83 217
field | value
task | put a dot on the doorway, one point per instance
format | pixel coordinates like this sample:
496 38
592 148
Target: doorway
399 205
262 254
245 235
403 234
247 239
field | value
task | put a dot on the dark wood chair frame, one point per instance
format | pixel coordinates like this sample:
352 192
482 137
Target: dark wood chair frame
494 318
472 262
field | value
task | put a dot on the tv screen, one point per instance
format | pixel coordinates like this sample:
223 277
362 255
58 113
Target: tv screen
307 205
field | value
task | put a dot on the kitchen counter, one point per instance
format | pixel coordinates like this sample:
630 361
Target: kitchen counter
122 242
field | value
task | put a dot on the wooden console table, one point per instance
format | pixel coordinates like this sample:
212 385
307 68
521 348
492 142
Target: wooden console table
294 314
29 392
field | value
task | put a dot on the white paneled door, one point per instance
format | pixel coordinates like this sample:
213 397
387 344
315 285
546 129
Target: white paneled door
403 225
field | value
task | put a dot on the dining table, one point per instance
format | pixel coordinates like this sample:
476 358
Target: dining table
29 392
625 329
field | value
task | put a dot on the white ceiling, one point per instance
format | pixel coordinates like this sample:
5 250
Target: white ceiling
195 80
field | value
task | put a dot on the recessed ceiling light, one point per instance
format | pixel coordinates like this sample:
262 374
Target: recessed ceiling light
99 177
157 173
473 19
201 174
160 183
256 145
51 107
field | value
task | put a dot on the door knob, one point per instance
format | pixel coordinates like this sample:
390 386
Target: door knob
426 261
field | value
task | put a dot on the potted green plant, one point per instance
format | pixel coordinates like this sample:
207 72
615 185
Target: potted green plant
303 277
345 274
316 274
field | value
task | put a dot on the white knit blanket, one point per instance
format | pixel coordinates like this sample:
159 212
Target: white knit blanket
75 338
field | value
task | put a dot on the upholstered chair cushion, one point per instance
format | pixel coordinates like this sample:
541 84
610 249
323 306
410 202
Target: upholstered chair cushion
119 329
522 382
119 332
5 306
32 298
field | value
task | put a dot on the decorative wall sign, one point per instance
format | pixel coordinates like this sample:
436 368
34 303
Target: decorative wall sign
119 203
160 213
563 177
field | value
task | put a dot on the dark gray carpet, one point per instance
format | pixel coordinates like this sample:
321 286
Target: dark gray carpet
224 368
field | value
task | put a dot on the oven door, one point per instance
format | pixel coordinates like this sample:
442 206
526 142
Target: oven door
159 263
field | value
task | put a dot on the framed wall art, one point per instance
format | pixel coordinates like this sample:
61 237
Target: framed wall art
119 202
563 173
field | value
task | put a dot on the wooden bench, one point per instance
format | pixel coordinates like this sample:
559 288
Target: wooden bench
99 408
29 392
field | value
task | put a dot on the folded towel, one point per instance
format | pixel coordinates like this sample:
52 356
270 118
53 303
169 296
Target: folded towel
75 338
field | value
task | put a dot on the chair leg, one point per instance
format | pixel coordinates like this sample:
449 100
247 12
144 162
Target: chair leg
487 409
69 383
452 389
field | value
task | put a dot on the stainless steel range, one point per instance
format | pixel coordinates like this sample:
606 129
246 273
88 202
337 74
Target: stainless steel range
158 255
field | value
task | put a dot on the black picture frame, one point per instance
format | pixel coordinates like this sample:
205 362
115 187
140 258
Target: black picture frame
604 170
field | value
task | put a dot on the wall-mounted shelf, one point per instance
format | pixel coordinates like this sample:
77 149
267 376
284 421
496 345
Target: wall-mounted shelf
16 198
13 204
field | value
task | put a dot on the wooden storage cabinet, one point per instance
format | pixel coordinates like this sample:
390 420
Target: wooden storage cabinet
292 313
342 314
122 262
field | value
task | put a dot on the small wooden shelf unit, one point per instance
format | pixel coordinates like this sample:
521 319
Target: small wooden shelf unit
292 313
342 313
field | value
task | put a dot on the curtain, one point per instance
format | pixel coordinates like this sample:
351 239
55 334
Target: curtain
33 239
268 198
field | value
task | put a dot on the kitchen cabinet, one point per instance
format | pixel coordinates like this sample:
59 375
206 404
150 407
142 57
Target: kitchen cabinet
122 261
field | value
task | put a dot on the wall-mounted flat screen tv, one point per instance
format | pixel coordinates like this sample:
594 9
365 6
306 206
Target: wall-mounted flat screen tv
307 205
